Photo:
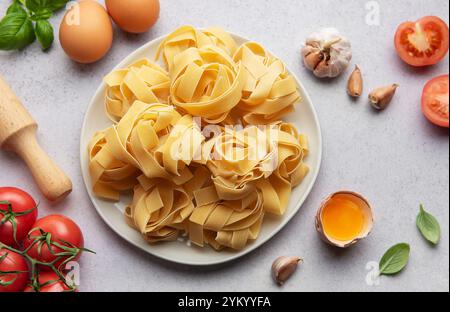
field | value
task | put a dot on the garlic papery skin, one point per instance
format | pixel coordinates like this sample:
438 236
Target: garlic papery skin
327 53
380 98
283 268
355 83
366 210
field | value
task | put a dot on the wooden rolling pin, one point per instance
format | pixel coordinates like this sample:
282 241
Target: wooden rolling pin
18 134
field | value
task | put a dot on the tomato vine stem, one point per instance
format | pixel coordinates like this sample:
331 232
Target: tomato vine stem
69 252
10 216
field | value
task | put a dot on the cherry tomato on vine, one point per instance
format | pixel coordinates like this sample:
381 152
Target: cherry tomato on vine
13 271
18 212
61 233
435 101
48 282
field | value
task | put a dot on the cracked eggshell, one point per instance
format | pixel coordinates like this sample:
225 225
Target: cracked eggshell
368 217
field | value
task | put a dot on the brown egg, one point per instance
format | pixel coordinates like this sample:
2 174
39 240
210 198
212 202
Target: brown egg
86 32
134 16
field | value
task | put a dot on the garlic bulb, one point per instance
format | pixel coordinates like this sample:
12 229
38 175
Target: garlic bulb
326 53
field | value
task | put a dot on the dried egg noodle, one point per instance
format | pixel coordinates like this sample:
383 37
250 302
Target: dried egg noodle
270 92
142 81
216 190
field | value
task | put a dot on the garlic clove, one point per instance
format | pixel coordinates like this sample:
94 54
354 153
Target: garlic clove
380 98
283 268
355 83
313 59
365 209
323 70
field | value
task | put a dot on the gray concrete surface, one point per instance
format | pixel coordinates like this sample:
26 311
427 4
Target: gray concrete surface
395 158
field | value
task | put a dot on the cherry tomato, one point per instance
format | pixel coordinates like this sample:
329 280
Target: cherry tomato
13 271
64 232
19 208
435 101
55 285
424 42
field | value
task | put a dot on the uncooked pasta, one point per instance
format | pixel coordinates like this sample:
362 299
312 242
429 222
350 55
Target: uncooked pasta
199 140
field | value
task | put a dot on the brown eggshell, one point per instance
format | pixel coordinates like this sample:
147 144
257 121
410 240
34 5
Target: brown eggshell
86 32
361 202
134 16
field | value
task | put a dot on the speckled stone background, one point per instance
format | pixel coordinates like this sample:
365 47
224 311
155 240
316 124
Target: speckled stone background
395 158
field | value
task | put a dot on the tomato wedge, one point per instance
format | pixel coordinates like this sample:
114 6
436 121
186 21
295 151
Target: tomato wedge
435 101
424 42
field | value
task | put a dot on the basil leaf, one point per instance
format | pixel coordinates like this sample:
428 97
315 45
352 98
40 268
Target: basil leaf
42 14
44 34
36 5
56 5
395 259
16 7
16 32
428 226
52 5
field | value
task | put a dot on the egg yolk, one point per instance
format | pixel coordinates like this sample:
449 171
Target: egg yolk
342 219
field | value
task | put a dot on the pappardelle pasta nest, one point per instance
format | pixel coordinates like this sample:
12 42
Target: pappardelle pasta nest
200 140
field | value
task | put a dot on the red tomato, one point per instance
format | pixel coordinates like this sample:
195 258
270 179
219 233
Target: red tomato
422 43
14 203
63 231
435 101
55 285
14 270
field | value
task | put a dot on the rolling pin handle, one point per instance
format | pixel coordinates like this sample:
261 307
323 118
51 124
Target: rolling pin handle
18 134
52 181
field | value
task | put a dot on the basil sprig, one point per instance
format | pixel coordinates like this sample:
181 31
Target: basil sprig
395 259
26 20
428 226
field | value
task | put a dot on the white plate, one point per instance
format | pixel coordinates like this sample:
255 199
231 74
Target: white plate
305 118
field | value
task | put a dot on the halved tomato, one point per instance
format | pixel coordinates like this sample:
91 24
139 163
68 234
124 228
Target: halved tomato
435 101
424 42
